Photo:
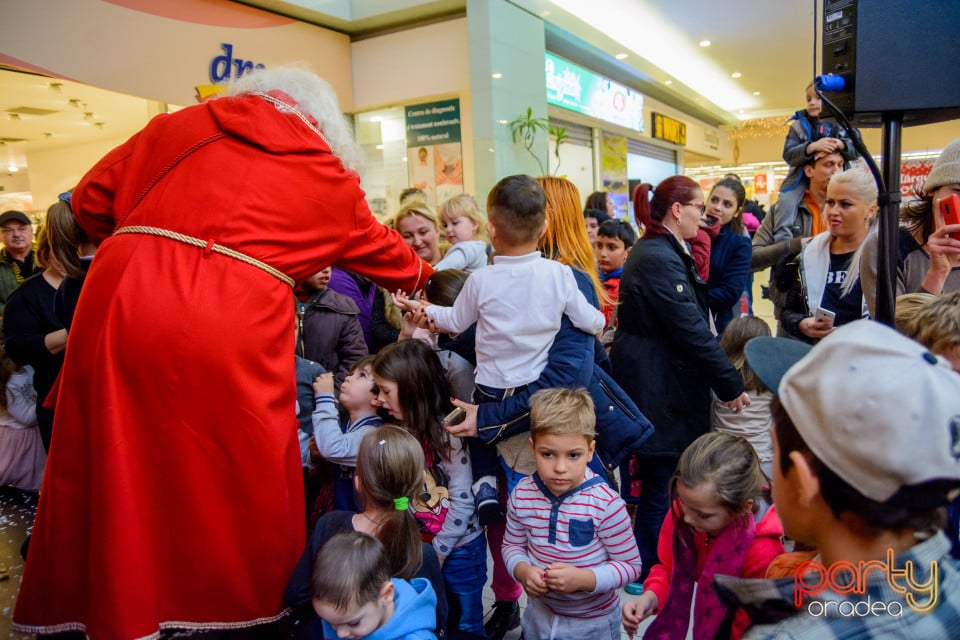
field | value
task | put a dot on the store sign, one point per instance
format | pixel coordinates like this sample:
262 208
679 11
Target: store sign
434 152
574 88
433 122
666 128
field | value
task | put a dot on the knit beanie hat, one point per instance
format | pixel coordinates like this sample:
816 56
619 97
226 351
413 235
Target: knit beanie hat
946 169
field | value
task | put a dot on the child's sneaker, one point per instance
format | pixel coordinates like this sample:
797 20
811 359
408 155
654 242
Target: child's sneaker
487 501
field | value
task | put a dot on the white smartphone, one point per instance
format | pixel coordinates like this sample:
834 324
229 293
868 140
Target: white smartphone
824 314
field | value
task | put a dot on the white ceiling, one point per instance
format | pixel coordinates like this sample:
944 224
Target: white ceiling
769 43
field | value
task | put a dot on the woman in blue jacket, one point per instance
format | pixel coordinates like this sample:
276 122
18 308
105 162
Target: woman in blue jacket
730 252
664 354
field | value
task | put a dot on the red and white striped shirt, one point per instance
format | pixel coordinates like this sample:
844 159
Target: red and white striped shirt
587 527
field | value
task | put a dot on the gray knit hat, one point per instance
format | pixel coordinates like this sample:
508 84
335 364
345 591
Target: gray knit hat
946 169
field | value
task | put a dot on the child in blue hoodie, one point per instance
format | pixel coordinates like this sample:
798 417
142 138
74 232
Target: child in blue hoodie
355 597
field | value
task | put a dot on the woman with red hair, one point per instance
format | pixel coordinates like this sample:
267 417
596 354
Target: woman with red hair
664 354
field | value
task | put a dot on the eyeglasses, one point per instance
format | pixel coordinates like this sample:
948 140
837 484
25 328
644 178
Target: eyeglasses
702 207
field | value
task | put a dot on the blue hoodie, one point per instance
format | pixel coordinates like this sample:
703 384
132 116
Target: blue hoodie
414 614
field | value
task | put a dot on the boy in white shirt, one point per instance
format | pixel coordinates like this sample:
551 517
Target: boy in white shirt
517 304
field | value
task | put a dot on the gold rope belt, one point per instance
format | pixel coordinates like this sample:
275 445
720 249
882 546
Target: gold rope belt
209 246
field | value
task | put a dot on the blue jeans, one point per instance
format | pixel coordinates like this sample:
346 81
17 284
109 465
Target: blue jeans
465 573
652 506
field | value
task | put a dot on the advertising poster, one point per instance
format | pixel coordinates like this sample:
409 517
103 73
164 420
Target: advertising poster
577 89
913 173
613 171
434 150
760 184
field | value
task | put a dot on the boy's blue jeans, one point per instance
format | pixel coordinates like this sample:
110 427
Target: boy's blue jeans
465 573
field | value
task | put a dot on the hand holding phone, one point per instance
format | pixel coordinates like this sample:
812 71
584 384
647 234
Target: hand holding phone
825 314
950 212
455 417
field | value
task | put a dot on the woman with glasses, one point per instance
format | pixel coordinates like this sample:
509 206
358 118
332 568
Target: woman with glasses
665 355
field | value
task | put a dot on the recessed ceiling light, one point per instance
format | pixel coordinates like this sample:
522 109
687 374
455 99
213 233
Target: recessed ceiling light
704 43
742 111
621 56
668 82
13 168
496 76
380 146
756 93
376 118
736 74
544 14
501 122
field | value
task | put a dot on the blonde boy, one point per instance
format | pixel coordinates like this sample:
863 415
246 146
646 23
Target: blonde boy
569 541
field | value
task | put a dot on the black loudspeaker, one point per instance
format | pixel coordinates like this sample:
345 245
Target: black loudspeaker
895 56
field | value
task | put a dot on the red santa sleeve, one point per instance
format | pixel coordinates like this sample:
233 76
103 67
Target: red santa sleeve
378 252
92 200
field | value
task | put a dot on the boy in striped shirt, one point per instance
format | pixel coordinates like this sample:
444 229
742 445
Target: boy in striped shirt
569 541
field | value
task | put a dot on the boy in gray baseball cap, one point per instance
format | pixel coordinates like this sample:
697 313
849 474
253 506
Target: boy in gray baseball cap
866 453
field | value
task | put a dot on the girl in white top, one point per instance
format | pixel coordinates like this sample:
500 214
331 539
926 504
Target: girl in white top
22 456
465 228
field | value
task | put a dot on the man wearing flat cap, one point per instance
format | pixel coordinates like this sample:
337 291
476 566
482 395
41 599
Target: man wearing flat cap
16 256
866 437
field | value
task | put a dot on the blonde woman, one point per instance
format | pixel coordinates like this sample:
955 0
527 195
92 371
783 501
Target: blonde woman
826 292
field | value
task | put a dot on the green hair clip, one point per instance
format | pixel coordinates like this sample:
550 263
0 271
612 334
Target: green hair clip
401 504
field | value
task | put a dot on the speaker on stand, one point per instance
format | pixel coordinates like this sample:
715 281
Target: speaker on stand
894 63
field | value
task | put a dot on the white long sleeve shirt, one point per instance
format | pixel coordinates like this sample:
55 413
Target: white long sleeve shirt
517 303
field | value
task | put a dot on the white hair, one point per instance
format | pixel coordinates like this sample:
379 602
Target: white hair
316 98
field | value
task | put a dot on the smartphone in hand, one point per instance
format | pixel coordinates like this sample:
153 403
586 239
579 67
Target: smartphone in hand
950 212
455 417
825 314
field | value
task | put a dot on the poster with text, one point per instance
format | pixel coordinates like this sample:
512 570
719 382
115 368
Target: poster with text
613 171
434 149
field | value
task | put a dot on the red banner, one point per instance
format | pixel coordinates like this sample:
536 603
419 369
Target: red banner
760 184
913 173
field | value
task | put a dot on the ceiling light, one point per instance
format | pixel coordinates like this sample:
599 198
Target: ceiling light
14 116
13 168
704 43
375 118
668 82
48 134
99 125
756 93
55 85
621 56
544 14
496 76
736 74
501 122
380 146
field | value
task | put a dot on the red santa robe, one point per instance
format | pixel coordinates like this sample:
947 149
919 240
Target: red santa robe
173 495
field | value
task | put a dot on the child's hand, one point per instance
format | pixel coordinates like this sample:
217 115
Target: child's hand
466 428
532 579
564 578
323 383
825 146
635 611
402 302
